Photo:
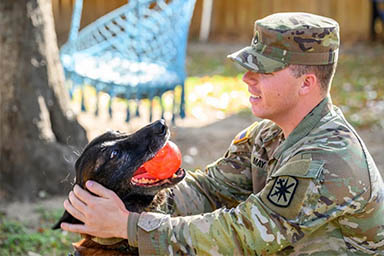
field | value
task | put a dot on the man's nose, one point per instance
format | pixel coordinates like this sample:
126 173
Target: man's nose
250 78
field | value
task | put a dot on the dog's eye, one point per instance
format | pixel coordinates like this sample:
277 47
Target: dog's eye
114 153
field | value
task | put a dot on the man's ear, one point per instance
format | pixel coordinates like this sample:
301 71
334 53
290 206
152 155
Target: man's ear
308 84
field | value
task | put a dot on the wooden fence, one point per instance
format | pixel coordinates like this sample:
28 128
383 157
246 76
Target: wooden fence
233 19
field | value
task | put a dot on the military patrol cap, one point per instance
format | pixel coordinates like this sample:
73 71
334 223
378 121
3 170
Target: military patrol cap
290 38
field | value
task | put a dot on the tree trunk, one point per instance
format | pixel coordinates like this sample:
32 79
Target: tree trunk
39 134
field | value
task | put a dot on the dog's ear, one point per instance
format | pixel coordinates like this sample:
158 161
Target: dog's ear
66 218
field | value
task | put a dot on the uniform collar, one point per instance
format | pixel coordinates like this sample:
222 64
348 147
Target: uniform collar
305 126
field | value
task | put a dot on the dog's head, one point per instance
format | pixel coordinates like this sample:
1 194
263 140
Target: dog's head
113 159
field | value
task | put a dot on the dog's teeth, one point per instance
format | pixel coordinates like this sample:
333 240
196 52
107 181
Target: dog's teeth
147 181
144 180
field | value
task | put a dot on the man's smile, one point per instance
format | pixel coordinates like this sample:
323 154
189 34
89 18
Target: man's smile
255 99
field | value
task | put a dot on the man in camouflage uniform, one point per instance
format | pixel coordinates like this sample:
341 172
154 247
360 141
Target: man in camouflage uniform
301 184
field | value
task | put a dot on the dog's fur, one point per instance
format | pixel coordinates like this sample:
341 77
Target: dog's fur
112 159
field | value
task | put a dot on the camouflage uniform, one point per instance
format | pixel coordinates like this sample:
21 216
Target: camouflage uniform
316 192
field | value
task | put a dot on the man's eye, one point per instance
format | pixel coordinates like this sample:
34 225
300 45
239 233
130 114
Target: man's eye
114 154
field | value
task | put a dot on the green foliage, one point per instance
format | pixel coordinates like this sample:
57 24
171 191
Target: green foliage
210 63
18 238
217 96
358 85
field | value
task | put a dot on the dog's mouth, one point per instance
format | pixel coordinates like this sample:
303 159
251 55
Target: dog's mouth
143 179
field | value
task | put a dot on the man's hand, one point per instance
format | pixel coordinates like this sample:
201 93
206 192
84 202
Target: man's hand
104 216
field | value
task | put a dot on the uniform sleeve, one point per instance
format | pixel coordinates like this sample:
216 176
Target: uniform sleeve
226 182
299 198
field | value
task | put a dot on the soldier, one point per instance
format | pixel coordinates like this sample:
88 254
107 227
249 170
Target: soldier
300 182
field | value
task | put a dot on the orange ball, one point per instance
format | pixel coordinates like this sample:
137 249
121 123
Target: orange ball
165 163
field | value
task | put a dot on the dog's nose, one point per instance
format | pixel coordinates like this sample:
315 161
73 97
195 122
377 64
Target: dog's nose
160 127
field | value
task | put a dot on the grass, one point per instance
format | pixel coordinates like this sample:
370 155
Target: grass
21 238
358 85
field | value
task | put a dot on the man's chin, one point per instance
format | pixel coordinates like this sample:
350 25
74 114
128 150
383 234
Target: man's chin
258 113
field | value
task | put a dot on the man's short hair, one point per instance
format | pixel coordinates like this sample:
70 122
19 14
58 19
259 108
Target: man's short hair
324 73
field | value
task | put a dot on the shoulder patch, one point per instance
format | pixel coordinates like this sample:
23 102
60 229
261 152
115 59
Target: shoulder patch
245 134
286 191
283 190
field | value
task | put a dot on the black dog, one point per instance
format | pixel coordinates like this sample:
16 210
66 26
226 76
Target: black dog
113 160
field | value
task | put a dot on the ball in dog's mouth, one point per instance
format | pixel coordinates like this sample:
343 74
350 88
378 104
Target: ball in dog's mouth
163 168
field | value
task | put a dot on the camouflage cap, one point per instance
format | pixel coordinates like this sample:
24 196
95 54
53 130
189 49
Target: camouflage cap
290 38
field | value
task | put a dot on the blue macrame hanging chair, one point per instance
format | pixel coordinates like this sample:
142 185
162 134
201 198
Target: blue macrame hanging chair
134 52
